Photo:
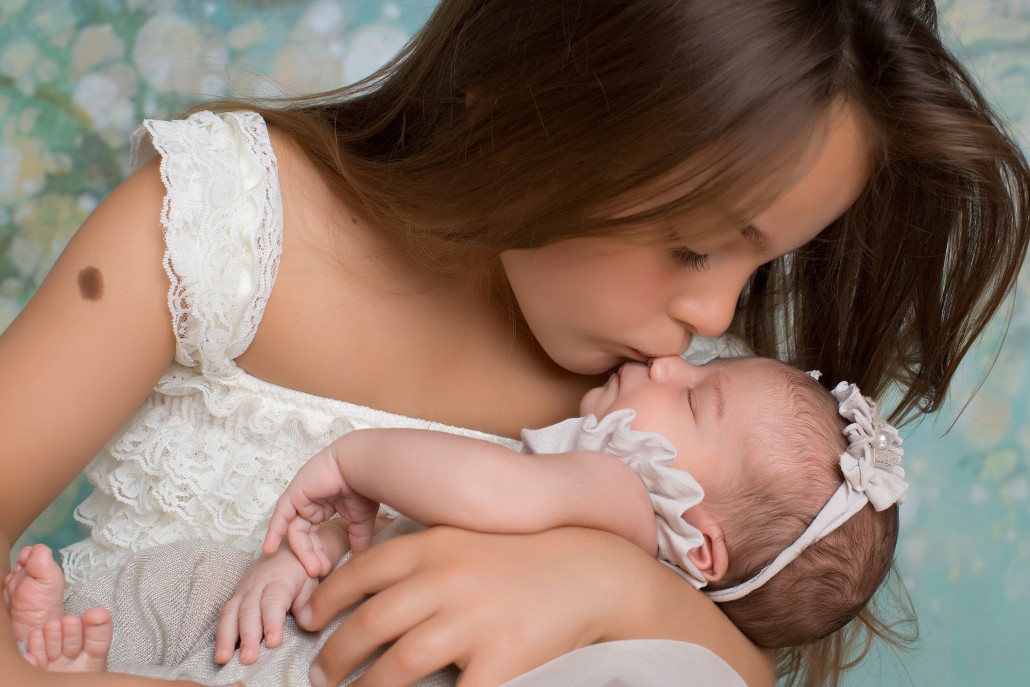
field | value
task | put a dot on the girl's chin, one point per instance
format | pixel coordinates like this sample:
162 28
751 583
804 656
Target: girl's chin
601 365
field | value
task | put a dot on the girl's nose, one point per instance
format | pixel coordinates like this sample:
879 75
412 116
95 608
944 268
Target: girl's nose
709 311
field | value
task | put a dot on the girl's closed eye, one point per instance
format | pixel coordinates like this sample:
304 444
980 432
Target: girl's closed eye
689 258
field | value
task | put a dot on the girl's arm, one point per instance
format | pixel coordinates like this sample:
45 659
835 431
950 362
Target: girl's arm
477 600
75 364
445 479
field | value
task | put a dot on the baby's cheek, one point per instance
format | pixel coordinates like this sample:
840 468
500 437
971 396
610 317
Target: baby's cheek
590 402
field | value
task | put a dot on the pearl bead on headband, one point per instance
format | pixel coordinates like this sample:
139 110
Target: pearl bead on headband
872 474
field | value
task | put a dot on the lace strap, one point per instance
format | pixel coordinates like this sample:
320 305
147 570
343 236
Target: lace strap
222 221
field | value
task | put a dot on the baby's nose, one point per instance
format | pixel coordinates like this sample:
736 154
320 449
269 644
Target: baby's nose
662 368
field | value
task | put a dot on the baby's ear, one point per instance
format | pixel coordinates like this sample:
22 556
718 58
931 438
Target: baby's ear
712 557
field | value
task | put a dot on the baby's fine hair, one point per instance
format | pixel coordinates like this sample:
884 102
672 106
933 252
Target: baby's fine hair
791 470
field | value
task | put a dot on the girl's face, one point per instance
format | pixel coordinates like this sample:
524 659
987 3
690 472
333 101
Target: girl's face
704 411
593 302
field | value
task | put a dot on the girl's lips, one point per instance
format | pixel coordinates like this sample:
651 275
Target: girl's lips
641 357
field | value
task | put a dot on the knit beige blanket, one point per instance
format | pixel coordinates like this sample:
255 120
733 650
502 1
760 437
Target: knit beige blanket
166 603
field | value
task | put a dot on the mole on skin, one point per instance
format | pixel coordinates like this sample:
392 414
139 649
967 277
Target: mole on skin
91 284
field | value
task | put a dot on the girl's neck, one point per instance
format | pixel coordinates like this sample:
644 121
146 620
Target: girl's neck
354 318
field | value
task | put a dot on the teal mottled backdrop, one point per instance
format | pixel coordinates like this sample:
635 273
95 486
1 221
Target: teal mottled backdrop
76 77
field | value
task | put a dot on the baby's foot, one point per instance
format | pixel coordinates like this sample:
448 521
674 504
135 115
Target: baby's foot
34 590
72 644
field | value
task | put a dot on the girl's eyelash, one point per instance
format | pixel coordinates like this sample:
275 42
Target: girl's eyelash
689 258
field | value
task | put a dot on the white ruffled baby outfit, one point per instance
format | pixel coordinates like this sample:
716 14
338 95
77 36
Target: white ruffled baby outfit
648 454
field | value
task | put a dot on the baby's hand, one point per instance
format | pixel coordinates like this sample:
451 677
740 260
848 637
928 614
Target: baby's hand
318 492
275 582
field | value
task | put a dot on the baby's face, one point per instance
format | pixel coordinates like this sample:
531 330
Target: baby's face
705 412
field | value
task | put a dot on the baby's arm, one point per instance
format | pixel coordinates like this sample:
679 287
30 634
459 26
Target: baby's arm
444 479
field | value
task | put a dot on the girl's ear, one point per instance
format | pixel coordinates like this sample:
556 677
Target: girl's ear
712 557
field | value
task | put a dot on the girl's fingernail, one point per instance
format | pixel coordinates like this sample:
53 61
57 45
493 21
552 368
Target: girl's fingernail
316 676
304 617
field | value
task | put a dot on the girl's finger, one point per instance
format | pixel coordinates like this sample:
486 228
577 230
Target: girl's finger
381 619
368 573
426 648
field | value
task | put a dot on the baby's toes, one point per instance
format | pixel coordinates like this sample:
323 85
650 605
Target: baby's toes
53 639
35 648
42 567
25 552
71 637
12 578
73 644
97 630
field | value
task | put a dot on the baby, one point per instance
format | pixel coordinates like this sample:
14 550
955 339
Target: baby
743 475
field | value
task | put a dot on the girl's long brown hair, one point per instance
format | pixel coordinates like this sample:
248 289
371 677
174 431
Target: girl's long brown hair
893 294
508 125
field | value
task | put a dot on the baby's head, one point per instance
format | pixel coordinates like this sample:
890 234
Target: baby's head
793 460
763 440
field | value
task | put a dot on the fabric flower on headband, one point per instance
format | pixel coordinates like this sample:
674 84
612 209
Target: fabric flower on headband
872 474
872 462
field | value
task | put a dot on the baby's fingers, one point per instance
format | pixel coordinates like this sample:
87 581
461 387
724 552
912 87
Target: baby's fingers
251 626
227 631
307 547
274 603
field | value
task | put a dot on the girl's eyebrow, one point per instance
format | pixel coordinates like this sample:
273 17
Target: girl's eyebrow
755 237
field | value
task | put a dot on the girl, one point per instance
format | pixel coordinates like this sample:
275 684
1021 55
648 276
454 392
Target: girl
539 190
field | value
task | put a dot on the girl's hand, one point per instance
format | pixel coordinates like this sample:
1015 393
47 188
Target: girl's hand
494 605
273 584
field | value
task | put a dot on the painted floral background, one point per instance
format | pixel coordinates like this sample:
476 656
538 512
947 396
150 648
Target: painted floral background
77 76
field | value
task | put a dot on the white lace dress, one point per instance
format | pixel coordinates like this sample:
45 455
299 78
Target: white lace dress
212 448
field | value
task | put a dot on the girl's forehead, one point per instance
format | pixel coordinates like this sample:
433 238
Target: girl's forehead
717 190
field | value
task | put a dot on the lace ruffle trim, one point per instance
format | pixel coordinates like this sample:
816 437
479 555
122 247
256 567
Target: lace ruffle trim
222 199
205 458
650 455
